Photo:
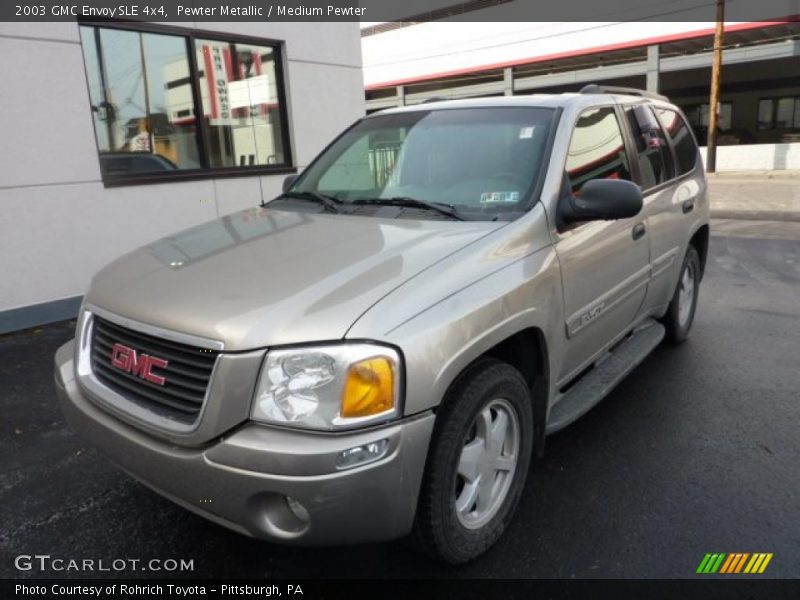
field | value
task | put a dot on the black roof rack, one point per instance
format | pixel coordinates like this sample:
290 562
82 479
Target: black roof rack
594 88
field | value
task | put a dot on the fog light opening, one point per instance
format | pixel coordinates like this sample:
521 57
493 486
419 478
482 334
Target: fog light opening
279 516
361 455
298 510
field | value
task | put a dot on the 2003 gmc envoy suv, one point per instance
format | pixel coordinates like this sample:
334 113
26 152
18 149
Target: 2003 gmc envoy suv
381 349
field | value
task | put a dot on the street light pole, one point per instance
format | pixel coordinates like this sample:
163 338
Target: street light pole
716 72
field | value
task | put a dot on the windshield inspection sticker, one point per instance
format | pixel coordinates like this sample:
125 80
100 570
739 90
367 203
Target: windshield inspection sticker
526 132
499 197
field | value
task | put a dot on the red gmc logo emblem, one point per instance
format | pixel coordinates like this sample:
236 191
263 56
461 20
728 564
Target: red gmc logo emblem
140 365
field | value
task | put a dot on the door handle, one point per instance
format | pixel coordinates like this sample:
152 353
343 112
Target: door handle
688 206
638 231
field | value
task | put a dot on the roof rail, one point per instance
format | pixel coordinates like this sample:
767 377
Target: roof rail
594 88
433 99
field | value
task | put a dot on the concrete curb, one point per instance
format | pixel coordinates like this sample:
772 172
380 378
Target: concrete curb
787 174
757 215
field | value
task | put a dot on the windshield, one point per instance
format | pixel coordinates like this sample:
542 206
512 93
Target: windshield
482 162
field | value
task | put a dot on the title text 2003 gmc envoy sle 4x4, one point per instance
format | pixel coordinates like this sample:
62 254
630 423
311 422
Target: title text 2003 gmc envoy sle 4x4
382 348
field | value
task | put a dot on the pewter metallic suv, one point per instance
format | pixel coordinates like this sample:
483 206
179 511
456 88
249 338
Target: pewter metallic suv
382 348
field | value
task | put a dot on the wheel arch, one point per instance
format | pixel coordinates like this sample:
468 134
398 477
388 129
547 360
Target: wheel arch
526 351
514 350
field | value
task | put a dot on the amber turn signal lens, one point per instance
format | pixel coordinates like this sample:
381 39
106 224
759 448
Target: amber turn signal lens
369 389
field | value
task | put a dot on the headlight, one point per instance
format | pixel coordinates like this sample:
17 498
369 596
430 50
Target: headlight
328 387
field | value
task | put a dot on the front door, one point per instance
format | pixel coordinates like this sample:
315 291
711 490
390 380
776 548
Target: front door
605 265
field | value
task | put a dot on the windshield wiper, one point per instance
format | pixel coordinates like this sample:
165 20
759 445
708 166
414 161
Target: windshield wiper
329 202
443 209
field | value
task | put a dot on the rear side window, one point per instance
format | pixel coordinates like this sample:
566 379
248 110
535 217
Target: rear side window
597 150
678 131
652 150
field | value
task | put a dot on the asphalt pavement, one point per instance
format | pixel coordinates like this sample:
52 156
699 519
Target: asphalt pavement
757 195
697 451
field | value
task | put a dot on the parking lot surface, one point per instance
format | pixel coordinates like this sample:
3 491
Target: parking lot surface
697 451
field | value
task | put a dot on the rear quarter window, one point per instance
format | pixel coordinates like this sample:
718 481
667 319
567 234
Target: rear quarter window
685 147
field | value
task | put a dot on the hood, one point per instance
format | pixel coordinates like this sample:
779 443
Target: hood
265 277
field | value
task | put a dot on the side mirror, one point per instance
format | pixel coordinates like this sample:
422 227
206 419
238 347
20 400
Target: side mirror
287 183
601 200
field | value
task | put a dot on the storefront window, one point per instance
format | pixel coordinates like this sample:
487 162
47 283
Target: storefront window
784 113
779 113
146 94
765 111
698 116
240 104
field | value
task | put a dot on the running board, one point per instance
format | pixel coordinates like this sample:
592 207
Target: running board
607 373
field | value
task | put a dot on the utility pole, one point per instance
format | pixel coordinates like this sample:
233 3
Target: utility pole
716 73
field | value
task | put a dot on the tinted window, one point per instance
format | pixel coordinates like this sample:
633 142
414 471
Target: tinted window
678 131
652 150
597 150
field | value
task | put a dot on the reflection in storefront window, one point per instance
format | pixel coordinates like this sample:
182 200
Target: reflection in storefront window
240 104
142 101
168 102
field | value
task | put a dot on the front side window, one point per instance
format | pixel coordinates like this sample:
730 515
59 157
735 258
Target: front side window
597 149
484 162
652 150
157 113
686 152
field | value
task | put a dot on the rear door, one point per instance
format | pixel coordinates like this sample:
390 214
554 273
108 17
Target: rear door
604 264
654 170
672 193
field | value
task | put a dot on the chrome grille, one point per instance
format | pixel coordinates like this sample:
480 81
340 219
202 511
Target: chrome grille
187 374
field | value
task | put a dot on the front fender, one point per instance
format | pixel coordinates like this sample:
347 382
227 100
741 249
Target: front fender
442 340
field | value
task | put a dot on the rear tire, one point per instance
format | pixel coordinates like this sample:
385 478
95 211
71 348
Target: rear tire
680 314
477 463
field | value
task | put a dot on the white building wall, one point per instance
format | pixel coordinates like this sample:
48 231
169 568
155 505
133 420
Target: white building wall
756 157
59 224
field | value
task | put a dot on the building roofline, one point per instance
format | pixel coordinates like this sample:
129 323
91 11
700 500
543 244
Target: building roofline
583 52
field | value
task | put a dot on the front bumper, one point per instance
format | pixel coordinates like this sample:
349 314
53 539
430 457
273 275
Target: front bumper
242 480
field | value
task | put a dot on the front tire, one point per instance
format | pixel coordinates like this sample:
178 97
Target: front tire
680 314
477 463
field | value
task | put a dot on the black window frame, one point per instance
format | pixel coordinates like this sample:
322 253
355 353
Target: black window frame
190 37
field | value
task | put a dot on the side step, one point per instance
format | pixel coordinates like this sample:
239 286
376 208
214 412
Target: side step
598 382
